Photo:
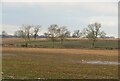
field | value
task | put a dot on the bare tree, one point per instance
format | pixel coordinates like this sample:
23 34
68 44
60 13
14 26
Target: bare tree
46 35
36 30
24 33
102 35
92 32
62 34
52 32
76 34
19 34
4 34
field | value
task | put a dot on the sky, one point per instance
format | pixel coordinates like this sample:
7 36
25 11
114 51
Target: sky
74 15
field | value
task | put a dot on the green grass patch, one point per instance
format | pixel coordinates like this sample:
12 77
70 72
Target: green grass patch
103 44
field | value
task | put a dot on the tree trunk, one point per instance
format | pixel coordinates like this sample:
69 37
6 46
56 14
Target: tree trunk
35 36
61 43
93 43
26 44
53 42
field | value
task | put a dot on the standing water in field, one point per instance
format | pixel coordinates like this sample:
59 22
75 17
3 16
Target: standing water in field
101 62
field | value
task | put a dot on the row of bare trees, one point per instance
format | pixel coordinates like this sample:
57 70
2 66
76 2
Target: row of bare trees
54 31
92 32
28 31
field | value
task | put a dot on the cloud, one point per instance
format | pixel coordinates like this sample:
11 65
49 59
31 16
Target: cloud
102 8
59 0
10 29
72 14
106 21
109 23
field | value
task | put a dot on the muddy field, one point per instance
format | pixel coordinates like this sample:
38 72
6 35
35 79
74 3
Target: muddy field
48 63
74 61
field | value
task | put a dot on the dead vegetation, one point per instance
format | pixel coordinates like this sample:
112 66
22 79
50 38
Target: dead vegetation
60 51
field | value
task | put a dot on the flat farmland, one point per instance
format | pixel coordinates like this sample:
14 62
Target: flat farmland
55 63
68 43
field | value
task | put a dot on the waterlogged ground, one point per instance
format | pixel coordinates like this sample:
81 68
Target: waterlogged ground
28 63
101 62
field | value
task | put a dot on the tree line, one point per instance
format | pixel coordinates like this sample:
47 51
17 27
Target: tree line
92 32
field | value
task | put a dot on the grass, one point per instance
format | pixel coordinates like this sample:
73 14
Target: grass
42 61
48 63
68 43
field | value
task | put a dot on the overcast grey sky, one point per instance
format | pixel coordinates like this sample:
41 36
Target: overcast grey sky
74 15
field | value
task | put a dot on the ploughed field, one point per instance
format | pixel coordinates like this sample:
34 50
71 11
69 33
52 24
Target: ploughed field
56 63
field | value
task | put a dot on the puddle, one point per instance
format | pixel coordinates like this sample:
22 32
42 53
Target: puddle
101 62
